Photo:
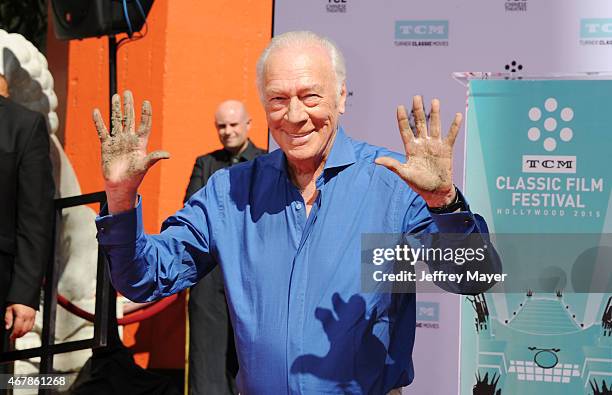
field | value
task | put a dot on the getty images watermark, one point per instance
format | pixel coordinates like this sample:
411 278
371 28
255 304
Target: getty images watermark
477 263
459 256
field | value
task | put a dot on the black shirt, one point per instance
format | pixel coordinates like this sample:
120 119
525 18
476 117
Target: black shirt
206 165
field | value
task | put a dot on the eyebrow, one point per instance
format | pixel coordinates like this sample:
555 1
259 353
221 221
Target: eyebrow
277 91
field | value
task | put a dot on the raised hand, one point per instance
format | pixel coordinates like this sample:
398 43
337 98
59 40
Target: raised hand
428 169
124 152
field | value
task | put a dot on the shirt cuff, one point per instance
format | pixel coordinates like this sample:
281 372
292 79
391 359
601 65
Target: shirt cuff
120 229
457 222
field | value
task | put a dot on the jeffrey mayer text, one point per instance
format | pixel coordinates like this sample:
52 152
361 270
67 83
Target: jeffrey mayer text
439 276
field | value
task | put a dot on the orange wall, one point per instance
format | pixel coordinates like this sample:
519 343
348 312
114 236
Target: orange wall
216 45
195 54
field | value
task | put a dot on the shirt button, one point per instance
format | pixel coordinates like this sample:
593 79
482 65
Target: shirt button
298 206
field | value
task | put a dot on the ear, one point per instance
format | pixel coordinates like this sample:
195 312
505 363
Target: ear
248 124
342 99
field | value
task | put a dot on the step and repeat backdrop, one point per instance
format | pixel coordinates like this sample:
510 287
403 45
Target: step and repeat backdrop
396 49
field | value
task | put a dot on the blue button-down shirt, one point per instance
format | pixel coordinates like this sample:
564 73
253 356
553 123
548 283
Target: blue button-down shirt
301 323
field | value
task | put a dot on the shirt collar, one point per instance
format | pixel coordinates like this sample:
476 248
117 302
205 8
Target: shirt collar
249 153
341 154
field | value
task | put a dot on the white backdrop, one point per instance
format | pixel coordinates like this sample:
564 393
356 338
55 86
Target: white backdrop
399 48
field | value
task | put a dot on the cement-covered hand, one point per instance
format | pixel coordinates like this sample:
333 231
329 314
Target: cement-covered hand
429 157
124 152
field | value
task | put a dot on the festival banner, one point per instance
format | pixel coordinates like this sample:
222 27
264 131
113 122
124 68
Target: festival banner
538 163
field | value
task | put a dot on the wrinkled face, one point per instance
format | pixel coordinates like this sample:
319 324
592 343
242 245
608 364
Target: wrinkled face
232 125
301 102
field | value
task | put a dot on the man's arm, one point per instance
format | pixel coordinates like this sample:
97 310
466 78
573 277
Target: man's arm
468 271
34 232
428 171
34 217
147 267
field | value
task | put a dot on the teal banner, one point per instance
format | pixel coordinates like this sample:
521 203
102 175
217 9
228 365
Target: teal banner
539 161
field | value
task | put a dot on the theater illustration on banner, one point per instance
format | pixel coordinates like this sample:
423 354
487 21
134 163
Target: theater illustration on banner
538 167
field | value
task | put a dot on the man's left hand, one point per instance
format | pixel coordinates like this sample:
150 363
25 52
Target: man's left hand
21 318
428 169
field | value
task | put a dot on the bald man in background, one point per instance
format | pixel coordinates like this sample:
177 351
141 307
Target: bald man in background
213 363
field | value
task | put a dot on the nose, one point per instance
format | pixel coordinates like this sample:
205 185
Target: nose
295 112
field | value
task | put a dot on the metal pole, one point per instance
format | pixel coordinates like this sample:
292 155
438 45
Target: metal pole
112 69
112 334
49 310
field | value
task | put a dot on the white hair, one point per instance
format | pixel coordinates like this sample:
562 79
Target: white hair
301 39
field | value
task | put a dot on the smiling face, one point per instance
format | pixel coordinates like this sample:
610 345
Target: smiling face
302 103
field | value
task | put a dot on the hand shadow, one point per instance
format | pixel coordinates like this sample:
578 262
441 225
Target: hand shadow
354 348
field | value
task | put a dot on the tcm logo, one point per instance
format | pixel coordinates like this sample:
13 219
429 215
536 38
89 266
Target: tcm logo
550 124
421 30
596 28
427 311
549 164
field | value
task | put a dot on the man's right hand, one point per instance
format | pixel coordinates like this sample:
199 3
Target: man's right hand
20 318
124 152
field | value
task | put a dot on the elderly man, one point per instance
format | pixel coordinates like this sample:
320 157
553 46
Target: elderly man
213 363
286 229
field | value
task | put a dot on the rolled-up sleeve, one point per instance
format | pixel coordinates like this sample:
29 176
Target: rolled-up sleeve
148 267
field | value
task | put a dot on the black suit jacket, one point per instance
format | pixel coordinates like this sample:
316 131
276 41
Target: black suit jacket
206 165
26 204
